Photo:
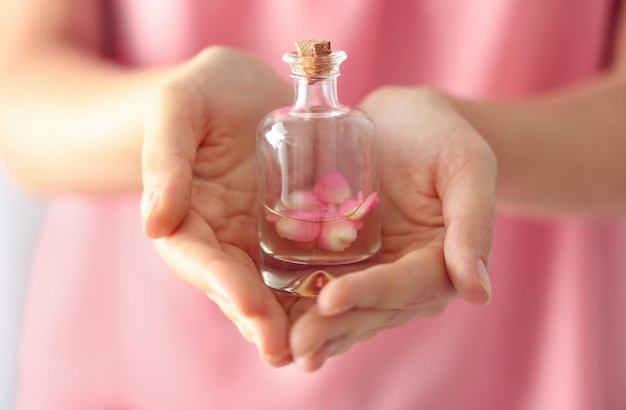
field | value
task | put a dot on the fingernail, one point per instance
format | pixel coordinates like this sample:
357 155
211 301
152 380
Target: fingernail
483 279
316 358
279 361
247 334
149 205
332 347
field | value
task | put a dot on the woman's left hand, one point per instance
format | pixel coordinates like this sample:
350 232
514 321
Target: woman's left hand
437 194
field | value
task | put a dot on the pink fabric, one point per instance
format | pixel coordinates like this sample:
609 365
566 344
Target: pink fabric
109 327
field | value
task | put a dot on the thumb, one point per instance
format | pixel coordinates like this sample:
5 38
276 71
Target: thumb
469 214
169 151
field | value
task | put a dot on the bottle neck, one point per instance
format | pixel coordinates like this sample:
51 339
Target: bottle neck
319 95
315 80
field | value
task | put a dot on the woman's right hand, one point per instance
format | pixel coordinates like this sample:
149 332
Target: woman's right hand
199 175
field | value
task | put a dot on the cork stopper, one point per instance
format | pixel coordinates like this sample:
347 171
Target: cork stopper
312 52
313 48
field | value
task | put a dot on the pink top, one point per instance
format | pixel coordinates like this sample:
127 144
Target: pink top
109 327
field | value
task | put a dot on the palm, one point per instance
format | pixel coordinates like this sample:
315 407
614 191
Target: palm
431 149
224 173
412 212
223 191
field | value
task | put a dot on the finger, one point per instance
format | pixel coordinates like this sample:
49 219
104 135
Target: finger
469 213
231 280
169 149
293 305
314 338
416 279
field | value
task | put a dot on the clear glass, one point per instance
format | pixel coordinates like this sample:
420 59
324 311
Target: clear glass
318 182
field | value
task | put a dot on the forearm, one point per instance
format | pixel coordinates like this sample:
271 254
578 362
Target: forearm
71 122
560 153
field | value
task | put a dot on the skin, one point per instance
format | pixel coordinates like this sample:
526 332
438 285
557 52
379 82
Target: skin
185 135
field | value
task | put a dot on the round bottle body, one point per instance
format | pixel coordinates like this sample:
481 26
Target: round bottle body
318 203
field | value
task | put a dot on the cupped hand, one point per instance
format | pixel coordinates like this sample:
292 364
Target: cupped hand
437 202
199 174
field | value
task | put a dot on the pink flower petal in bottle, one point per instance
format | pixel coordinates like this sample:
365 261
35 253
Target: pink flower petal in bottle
358 224
337 236
299 226
332 188
357 208
350 205
272 217
307 216
303 200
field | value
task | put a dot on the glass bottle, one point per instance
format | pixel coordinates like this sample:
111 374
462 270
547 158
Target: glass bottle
318 181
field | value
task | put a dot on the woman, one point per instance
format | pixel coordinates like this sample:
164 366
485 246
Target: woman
108 326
